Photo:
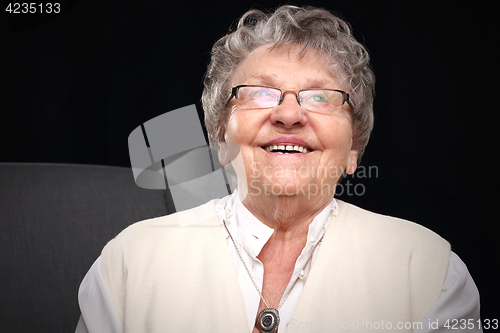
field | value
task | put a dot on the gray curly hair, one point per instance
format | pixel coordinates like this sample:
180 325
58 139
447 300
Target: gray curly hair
313 29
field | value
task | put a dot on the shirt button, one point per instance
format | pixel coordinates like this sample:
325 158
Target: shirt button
302 274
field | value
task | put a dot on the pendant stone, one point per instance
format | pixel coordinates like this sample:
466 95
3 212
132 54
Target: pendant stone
268 320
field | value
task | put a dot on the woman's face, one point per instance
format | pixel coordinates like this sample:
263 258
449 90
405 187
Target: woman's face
328 137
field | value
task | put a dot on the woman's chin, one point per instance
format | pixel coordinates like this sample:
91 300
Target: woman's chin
291 188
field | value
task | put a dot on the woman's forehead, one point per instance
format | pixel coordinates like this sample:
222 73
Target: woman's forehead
286 65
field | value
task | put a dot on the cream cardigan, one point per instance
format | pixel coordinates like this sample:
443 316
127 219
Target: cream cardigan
174 274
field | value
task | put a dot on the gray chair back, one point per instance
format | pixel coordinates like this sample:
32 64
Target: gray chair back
54 221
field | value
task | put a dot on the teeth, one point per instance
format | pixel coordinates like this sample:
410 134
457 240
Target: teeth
287 148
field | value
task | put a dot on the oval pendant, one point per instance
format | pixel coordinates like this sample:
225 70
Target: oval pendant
268 320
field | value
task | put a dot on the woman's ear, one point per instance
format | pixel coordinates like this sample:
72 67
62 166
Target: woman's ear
227 152
352 161
223 153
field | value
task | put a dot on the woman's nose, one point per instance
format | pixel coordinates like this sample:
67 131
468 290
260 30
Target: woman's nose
289 113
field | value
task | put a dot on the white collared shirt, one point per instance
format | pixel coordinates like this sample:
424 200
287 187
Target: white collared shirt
459 297
250 235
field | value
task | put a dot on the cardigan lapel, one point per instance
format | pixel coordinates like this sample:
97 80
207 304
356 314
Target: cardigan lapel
226 268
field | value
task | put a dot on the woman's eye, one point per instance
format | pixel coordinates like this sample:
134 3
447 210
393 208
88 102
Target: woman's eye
317 99
262 93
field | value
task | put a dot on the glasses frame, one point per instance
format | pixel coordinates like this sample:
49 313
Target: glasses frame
234 93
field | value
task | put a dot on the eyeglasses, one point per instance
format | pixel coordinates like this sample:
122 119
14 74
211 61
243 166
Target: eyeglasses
316 100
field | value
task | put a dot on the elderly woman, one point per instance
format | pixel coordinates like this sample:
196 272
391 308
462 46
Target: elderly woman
288 99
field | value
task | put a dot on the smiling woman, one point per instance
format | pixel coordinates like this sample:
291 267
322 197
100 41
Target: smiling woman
293 92
327 136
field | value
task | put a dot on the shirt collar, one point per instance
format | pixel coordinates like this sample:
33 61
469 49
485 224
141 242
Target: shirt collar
252 234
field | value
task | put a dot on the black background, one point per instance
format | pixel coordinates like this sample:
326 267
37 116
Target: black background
72 89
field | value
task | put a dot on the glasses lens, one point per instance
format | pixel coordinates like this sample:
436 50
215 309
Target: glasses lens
321 100
258 97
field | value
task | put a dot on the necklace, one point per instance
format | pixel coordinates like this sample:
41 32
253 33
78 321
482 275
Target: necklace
268 319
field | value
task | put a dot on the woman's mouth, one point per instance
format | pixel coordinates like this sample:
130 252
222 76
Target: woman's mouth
286 149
